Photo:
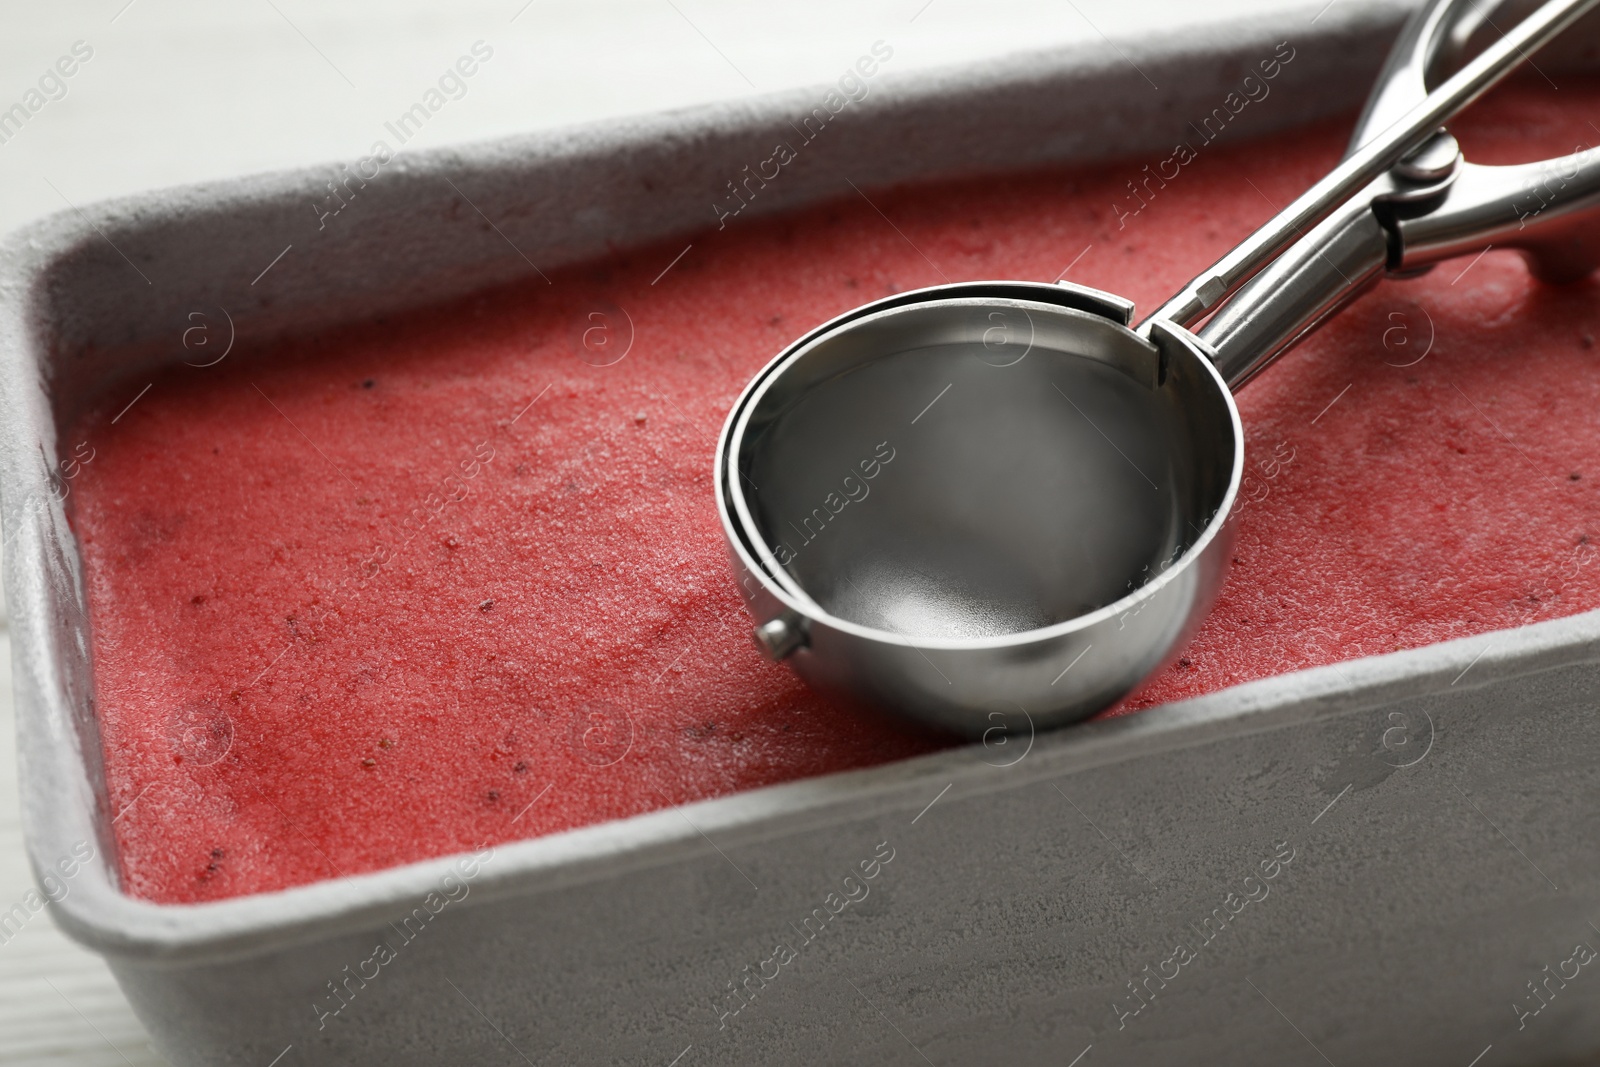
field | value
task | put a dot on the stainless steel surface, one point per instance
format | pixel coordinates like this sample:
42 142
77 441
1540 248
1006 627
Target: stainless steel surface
970 498
1437 159
1057 526
1342 257
1431 206
1430 45
780 637
1339 259
1543 209
1546 211
1376 154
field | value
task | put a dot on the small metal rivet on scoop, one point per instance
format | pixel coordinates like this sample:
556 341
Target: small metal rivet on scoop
781 637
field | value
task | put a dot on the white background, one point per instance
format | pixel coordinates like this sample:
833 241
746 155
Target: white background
182 91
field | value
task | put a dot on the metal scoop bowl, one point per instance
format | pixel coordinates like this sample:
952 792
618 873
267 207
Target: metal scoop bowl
958 494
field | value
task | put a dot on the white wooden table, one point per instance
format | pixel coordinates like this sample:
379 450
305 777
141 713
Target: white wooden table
180 91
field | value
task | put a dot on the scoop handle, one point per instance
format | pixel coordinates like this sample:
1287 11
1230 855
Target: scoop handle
1338 260
1549 211
1372 159
1545 210
1430 207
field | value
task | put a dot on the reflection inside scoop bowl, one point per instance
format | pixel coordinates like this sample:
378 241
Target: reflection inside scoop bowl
980 493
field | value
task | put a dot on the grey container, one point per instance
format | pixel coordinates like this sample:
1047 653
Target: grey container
1366 863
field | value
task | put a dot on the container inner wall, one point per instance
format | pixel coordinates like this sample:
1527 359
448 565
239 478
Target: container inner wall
332 634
